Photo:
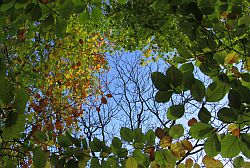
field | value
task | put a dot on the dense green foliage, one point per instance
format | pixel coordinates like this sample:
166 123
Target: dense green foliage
53 51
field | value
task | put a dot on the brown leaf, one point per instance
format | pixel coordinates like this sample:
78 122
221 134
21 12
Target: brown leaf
187 145
189 163
192 121
159 132
104 100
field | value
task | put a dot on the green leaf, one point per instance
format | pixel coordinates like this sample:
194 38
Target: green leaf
47 22
76 141
244 92
160 81
94 162
138 135
9 163
41 136
122 1
238 162
15 125
95 145
227 115
36 12
6 5
126 134
245 19
131 163
234 99
140 157
179 59
204 115
116 145
236 9
216 91
175 112
64 141
84 143
84 17
61 26
176 131
245 145
72 163
163 96
187 67
150 137
198 90
21 100
174 75
54 159
245 77
165 158
212 145
21 4
188 79
123 153
230 146
39 158
201 130
96 14
6 91
66 8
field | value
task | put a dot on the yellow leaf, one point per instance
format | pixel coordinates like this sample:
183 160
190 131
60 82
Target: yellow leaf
154 165
131 163
48 165
232 127
177 149
165 141
196 165
210 162
182 165
247 63
231 58
246 165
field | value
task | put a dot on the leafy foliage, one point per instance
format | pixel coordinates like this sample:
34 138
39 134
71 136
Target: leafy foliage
54 52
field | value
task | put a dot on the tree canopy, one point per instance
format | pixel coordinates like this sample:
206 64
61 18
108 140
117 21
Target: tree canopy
57 97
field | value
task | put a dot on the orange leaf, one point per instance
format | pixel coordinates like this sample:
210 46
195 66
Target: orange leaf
236 132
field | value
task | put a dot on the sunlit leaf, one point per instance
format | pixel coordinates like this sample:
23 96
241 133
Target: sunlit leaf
201 130
212 145
210 162
131 163
176 131
230 146
231 58
216 91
